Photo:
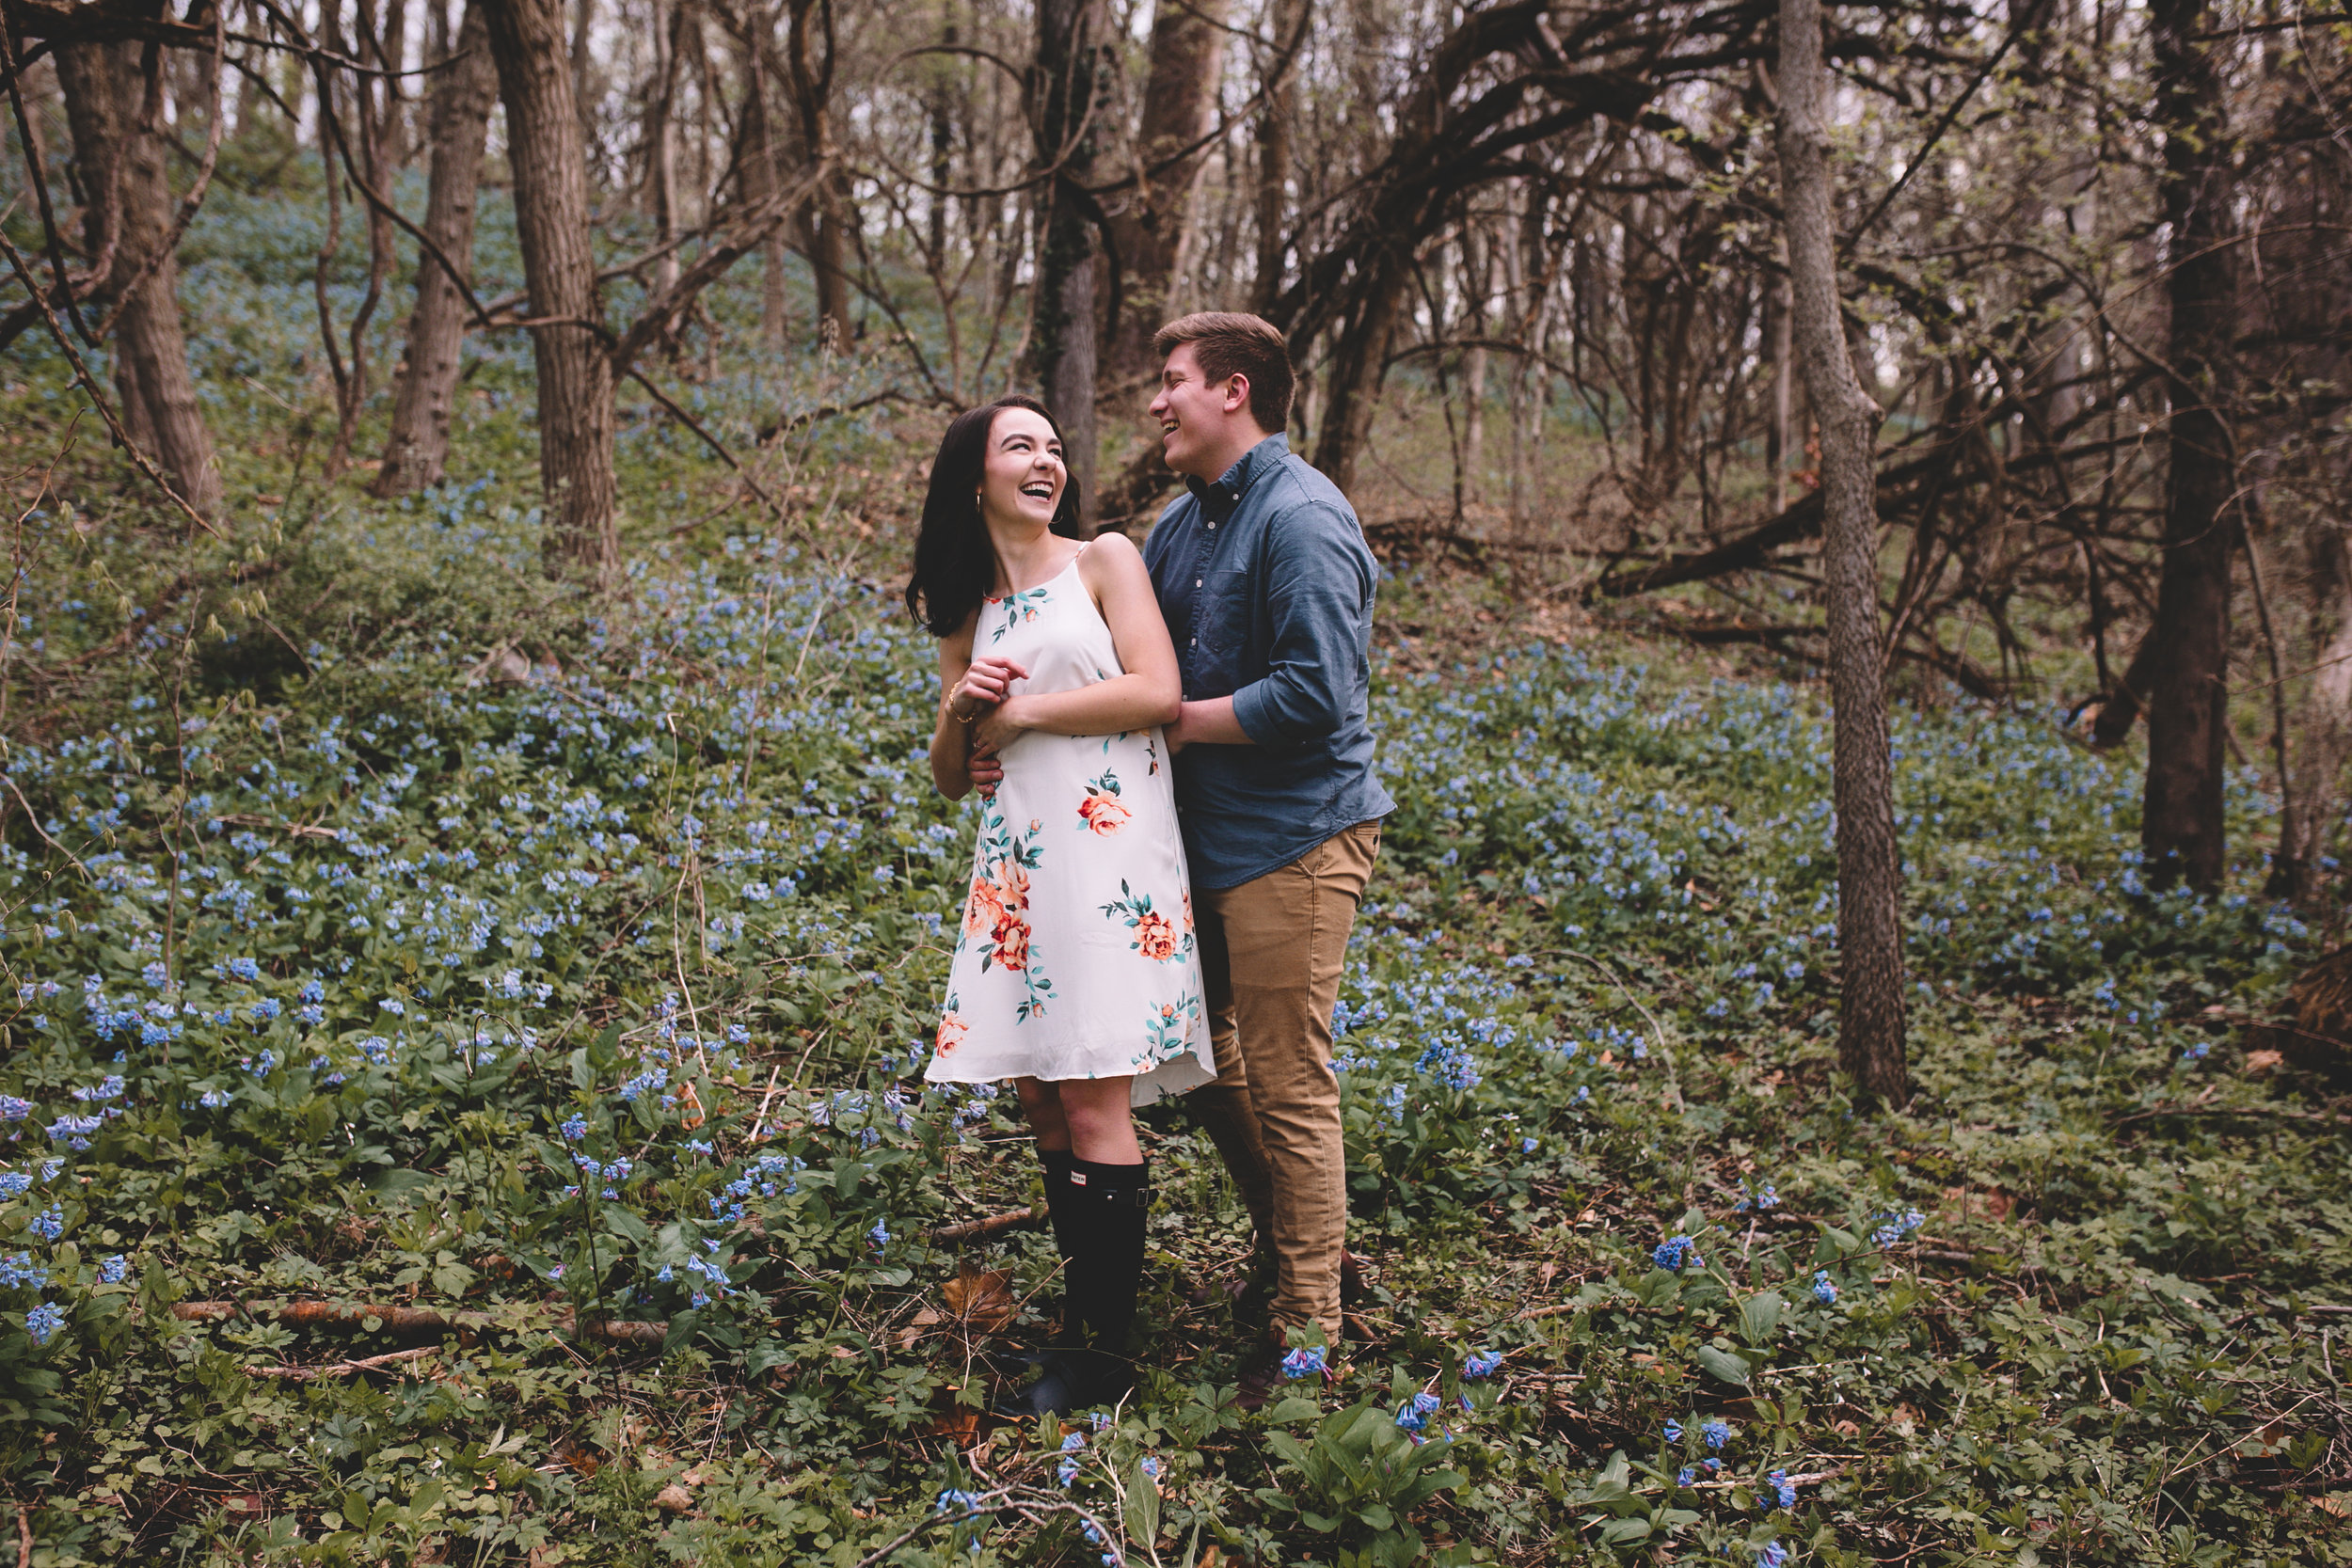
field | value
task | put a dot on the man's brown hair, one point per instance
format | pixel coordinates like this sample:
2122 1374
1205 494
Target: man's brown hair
1229 343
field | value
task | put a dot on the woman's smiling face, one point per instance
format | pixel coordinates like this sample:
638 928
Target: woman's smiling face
1023 476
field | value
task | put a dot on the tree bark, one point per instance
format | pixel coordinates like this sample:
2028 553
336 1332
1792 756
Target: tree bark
575 373
2182 830
1354 374
755 170
416 455
662 138
1478 286
102 95
394 56
1275 122
1870 1043
1776 426
1149 230
809 46
1065 334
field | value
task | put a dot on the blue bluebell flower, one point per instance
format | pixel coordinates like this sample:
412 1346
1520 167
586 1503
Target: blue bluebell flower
1715 1433
1824 1288
1481 1363
1778 1483
1900 1224
113 1270
42 1323
1306 1361
1677 1253
1674 1431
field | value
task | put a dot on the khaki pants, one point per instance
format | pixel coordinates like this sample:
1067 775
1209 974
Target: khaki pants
1271 951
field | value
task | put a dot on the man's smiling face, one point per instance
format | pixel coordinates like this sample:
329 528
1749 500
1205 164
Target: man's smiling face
1194 414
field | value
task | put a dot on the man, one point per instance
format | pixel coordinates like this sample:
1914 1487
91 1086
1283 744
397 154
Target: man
1266 585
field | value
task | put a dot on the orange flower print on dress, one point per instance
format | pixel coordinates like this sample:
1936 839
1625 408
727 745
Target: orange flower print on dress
984 909
952 1030
1155 935
1187 912
998 912
1011 937
1155 938
1102 810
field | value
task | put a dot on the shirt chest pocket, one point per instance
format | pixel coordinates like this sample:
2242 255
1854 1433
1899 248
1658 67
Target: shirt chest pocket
1226 607
1219 627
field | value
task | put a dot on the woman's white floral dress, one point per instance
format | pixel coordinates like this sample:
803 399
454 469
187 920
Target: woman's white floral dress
1076 957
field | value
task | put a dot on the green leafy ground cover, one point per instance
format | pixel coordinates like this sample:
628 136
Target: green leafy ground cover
344 970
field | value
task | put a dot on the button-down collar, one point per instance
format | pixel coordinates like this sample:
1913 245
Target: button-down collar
1219 496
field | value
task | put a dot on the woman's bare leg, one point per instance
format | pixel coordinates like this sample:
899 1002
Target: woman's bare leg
1101 1126
1041 1102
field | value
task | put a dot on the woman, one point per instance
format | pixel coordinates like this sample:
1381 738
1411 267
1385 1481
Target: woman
1076 973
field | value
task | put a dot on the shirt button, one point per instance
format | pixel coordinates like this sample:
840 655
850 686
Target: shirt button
1196 583
1212 525
1195 643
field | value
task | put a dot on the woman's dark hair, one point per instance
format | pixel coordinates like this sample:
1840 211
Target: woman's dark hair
954 565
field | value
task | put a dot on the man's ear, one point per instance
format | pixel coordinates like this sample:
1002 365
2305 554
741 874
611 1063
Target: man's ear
1236 392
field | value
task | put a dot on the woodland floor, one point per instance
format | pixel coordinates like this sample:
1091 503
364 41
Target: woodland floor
489 954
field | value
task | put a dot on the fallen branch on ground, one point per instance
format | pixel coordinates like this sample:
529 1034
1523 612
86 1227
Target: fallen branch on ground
343 1368
409 1320
987 1225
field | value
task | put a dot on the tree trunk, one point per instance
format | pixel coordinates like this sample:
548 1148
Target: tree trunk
1478 286
2182 830
809 43
1275 120
102 95
755 168
1066 306
1776 427
661 139
417 453
1870 1044
373 106
1148 233
942 106
575 373
1353 378
395 57
583 69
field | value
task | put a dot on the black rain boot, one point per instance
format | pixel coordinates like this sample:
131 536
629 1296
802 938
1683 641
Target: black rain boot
1110 1205
1059 1198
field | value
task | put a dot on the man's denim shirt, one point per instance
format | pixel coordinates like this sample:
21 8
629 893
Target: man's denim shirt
1266 586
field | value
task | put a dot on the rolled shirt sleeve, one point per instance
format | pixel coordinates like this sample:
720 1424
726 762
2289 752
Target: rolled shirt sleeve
1318 589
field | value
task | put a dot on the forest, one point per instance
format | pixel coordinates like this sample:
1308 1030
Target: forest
1842 1054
